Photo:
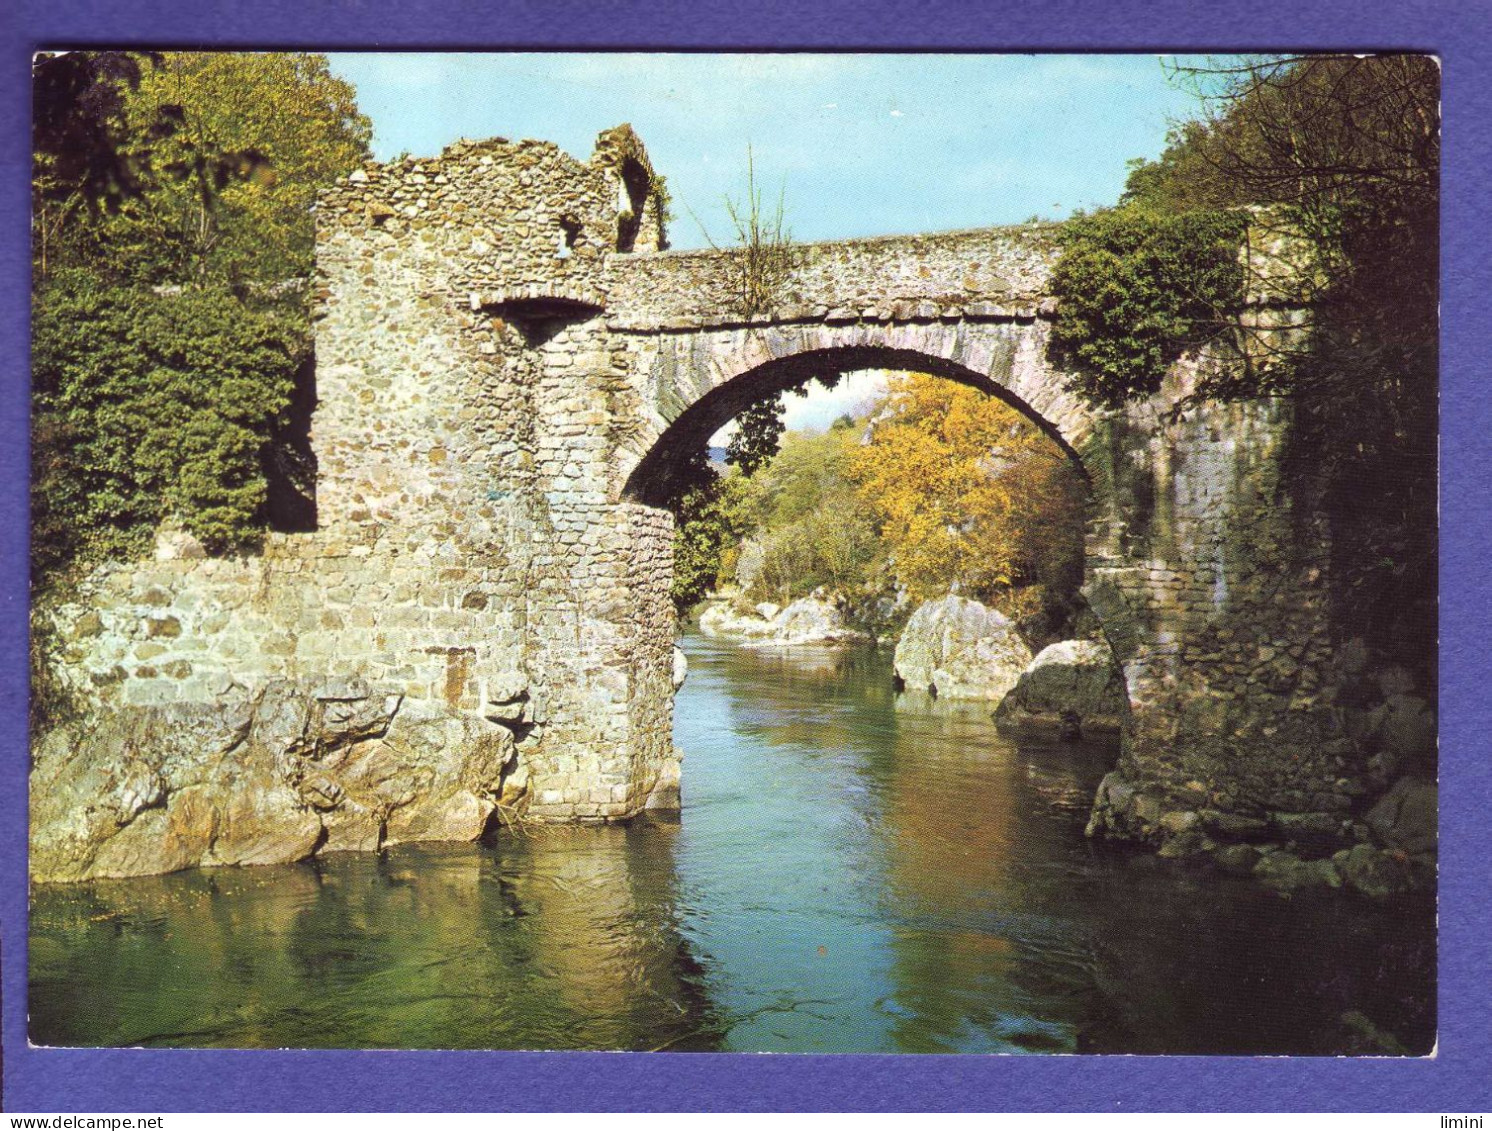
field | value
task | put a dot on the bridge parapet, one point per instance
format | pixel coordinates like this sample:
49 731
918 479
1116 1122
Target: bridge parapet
988 272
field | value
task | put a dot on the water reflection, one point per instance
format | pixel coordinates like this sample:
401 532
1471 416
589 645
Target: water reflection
565 938
920 883
854 870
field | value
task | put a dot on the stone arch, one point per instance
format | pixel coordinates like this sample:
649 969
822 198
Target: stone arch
1004 360
698 384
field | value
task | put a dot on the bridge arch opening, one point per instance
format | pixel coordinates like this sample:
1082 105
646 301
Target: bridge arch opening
655 478
1044 613
1040 615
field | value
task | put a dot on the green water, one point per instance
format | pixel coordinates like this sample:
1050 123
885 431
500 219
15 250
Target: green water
849 873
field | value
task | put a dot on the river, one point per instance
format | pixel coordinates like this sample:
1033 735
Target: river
852 871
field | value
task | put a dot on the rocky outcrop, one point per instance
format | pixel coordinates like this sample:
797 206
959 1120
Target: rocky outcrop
1389 851
810 620
721 621
1406 816
959 649
1072 688
262 777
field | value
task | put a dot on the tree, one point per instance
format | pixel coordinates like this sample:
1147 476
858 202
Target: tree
970 495
148 405
812 526
168 329
708 516
80 163
258 135
1350 145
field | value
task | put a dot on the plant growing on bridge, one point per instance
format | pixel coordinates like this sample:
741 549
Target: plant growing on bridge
763 255
1137 289
765 259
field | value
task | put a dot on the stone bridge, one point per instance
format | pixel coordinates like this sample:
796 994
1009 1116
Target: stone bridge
508 370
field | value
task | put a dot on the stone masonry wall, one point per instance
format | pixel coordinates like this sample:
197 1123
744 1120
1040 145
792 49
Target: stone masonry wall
1208 571
992 272
391 676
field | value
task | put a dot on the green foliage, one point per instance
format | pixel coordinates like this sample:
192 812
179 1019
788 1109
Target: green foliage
1136 290
811 526
708 517
77 126
758 430
151 405
950 489
663 207
258 135
173 233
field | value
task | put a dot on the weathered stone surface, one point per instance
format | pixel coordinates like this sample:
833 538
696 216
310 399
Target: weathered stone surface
1072 687
1404 729
458 816
723 622
263 778
680 668
961 649
1407 816
809 620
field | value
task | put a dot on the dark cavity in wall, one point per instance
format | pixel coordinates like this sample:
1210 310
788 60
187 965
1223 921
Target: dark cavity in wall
289 462
635 179
569 236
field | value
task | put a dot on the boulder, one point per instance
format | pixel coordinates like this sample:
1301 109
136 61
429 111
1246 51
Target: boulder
1406 816
459 816
680 667
961 650
810 620
1374 872
1286 872
1237 859
1071 687
1403 729
720 621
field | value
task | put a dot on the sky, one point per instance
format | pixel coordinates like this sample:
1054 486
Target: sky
857 144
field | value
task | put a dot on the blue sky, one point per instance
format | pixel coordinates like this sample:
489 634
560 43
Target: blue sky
858 144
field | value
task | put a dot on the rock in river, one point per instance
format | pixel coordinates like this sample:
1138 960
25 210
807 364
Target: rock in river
961 649
810 620
1073 684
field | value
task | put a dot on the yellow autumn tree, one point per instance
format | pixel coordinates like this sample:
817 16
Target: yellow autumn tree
969 494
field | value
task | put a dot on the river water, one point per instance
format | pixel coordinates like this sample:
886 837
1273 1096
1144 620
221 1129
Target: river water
853 871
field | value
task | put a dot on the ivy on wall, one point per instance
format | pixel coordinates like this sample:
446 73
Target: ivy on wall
1135 290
